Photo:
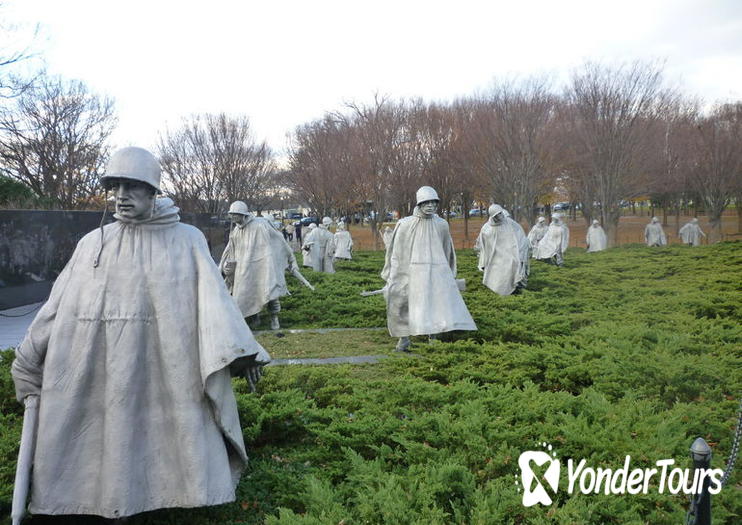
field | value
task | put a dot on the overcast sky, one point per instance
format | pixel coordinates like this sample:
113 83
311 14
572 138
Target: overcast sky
285 62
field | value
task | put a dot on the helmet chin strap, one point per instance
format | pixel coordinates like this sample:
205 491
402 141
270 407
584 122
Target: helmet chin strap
96 261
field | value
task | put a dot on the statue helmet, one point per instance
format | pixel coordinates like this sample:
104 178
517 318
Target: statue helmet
424 194
596 222
312 226
541 219
341 225
556 216
135 164
238 207
655 219
494 209
326 221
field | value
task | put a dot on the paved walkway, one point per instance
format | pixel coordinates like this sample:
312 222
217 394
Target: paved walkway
314 330
14 322
348 360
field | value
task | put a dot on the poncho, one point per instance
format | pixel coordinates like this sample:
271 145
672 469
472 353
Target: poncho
130 359
556 240
654 235
343 244
596 239
422 297
503 255
306 256
262 256
536 234
691 233
321 244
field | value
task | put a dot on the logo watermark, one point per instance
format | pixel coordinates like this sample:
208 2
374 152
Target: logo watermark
586 479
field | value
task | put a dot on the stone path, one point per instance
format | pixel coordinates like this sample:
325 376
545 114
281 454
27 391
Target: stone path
14 323
349 360
315 330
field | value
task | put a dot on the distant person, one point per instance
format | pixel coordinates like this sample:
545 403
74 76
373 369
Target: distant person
504 253
422 294
596 239
691 233
343 243
297 231
555 241
653 233
537 233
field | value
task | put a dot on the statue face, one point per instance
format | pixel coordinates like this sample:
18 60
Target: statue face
134 199
236 218
498 218
428 208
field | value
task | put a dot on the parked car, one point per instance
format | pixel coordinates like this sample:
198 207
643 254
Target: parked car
306 221
295 215
476 212
562 206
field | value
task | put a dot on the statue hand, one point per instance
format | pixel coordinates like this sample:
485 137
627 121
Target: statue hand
229 267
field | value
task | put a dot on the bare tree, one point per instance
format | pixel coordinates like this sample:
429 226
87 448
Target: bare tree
715 161
53 138
512 140
613 113
212 160
16 49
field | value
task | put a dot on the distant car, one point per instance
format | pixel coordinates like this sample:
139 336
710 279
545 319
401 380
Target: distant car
295 216
476 212
453 214
562 206
306 221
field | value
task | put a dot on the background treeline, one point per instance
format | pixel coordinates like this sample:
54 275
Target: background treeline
608 135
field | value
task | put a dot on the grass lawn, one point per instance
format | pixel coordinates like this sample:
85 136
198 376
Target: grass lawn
632 351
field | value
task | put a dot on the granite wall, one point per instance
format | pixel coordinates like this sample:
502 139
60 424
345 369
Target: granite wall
36 244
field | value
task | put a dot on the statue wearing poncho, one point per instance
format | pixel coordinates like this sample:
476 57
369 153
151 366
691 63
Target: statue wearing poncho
596 239
503 253
421 293
691 233
554 243
255 261
320 243
306 256
537 233
653 233
130 357
343 243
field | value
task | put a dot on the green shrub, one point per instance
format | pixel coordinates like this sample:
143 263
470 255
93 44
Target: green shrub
630 351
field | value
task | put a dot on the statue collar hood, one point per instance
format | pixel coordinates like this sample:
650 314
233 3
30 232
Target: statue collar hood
165 213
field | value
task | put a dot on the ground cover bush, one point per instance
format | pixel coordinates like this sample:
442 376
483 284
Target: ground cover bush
630 351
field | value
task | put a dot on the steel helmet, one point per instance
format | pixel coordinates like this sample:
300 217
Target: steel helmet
426 193
326 221
541 219
494 209
238 207
341 225
135 164
312 226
